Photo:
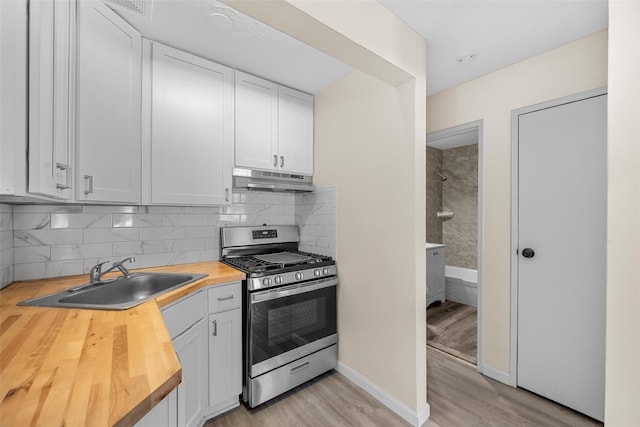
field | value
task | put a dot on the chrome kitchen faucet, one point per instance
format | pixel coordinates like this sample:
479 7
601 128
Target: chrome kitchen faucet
96 271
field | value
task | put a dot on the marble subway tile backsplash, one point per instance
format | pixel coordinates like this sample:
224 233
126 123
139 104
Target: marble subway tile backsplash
6 245
40 241
316 217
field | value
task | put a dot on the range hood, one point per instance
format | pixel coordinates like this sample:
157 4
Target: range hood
257 180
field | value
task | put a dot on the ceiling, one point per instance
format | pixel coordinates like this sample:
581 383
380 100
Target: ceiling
497 32
238 41
454 141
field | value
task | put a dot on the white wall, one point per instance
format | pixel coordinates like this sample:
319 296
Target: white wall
575 67
622 393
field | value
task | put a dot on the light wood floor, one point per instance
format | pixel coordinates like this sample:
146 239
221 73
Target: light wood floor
330 400
459 396
453 328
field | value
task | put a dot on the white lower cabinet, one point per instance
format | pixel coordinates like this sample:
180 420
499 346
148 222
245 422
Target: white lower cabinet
205 328
164 414
225 347
225 357
191 348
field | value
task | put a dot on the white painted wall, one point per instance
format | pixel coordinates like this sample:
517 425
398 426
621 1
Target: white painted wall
622 392
575 67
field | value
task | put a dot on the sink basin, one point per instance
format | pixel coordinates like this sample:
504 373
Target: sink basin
116 294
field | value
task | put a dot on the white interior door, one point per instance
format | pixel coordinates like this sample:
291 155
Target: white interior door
561 278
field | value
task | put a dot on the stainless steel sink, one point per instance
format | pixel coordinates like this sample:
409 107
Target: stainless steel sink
116 294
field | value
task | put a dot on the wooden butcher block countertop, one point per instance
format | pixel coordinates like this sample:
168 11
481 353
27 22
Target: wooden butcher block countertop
78 367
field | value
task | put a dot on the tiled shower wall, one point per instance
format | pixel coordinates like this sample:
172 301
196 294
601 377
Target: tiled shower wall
434 195
460 196
41 241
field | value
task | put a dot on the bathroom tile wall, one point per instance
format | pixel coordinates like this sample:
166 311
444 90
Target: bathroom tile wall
316 217
434 195
460 196
39 241
6 244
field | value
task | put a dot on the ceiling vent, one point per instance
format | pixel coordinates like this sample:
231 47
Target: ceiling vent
143 7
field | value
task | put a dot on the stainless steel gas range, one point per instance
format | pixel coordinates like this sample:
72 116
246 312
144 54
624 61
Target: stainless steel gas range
290 334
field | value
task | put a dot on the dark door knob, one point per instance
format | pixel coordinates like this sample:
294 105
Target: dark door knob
528 253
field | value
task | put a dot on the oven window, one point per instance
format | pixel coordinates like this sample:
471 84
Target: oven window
282 324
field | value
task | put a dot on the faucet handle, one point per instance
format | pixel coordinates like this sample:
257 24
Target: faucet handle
95 271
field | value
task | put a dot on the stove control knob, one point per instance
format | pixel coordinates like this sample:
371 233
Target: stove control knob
266 281
326 271
299 275
317 272
278 280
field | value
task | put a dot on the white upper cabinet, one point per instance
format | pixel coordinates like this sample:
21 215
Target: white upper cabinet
109 106
13 98
274 126
256 122
295 131
188 130
51 91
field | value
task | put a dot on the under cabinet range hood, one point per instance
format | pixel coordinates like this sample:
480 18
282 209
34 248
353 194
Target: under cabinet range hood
257 180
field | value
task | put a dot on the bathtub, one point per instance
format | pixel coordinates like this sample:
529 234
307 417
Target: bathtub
461 285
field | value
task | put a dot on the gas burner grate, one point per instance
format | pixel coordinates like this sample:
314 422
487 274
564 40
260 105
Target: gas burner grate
263 263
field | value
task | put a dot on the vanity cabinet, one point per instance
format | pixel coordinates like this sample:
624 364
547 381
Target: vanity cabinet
108 106
435 273
188 130
274 126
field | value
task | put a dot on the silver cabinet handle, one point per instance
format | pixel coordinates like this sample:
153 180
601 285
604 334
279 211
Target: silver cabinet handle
226 194
281 161
225 298
64 167
275 160
215 328
89 188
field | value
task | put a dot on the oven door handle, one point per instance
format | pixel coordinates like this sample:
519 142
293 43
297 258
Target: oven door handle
286 291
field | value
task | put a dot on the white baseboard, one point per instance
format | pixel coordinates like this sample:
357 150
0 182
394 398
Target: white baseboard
413 418
497 375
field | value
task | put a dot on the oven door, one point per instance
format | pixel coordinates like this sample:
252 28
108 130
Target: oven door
290 322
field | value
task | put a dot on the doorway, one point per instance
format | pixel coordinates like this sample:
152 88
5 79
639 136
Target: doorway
558 261
453 219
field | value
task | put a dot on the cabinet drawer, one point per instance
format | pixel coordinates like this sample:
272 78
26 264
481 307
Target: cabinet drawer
183 314
224 297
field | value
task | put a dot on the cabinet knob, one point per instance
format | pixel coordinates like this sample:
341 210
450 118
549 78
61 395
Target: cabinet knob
226 194
275 161
215 328
281 161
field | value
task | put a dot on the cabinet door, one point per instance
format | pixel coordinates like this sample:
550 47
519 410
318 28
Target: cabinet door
109 106
191 348
295 131
163 414
13 97
225 356
50 97
191 128
256 122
